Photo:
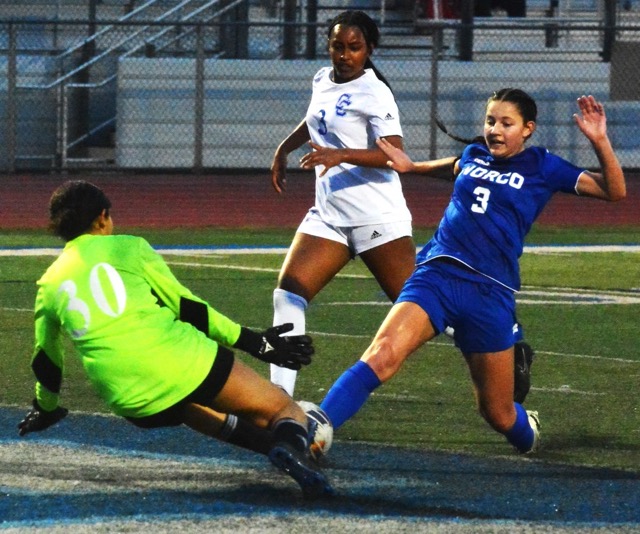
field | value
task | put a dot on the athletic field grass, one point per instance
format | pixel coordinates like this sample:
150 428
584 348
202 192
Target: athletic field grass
579 307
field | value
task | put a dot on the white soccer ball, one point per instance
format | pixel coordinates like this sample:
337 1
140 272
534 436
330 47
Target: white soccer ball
322 438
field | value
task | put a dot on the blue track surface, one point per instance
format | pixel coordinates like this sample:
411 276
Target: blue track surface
370 481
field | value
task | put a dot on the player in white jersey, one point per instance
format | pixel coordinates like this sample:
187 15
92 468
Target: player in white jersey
359 207
351 115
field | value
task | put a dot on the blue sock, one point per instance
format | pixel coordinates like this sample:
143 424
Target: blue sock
349 393
521 434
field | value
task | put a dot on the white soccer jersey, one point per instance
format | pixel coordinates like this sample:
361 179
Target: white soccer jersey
353 115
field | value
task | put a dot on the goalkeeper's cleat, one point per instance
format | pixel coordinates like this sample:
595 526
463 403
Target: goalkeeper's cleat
523 358
297 465
534 423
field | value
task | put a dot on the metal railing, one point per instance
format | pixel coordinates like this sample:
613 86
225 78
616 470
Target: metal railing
72 84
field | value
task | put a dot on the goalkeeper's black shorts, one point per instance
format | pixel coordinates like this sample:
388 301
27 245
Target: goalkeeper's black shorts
204 394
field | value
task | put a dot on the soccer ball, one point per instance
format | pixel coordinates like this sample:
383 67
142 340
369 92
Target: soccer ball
320 429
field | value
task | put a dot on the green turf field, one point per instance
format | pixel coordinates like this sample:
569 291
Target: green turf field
580 311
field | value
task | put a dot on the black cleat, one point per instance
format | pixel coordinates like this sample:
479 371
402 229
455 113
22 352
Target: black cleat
523 358
297 465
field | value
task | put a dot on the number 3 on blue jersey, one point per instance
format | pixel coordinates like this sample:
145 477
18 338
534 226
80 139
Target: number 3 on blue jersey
482 200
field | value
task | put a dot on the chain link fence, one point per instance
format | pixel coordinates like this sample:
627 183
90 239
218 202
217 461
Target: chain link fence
196 84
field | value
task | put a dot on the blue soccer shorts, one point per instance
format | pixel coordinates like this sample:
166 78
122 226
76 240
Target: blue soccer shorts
481 312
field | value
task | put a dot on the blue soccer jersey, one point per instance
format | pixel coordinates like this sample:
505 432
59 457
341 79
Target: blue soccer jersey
494 203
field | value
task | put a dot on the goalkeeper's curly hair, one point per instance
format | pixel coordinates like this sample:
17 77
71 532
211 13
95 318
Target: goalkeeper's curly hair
73 208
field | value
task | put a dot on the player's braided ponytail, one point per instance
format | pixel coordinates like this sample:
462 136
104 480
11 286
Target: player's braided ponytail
443 128
526 106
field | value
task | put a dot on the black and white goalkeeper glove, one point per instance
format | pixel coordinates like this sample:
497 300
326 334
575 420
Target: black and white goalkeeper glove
272 347
38 419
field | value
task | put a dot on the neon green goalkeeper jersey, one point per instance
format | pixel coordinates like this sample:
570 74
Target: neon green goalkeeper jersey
121 305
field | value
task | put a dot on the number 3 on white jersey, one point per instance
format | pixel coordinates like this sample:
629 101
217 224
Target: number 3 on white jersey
76 304
482 200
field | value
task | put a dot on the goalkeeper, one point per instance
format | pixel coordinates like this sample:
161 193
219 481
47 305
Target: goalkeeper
155 353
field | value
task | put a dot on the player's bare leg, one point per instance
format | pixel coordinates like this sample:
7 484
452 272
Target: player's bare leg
493 379
229 428
405 328
523 359
391 264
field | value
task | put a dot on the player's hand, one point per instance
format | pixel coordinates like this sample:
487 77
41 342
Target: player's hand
38 419
320 155
591 120
285 351
398 159
270 346
279 173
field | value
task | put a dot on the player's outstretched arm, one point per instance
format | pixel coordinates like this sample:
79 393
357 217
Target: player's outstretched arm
609 184
272 347
328 158
39 419
399 161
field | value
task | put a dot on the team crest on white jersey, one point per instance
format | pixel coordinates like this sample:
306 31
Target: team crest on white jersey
343 102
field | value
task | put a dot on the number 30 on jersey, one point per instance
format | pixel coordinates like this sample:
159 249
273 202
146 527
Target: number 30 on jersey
96 281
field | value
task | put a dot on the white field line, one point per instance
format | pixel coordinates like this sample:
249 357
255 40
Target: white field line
169 251
559 249
587 357
256 269
222 266
232 250
11 252
568 390
564 389
243 268
552 295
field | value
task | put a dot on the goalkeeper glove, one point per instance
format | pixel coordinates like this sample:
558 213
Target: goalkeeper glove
38 419
269 346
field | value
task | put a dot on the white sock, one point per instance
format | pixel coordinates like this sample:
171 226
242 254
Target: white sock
287 308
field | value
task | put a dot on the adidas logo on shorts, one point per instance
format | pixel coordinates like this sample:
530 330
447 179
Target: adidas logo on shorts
389 117
375 234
